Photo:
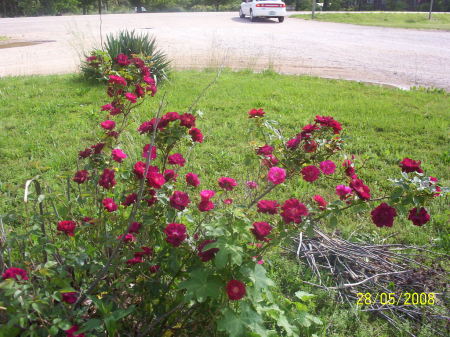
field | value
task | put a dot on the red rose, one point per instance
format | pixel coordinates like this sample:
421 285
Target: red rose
108 125
130 97
130 199
155 179
113 79
269 161
310 128
264 150
122 59
134 260
107 179
268 206
176 159
361 190
409 165
329 121
419 217
81 176
235 290
98 148
205 206
276 175
134 227
171 116
152 200
196 135
187 120
176 233
310 146
227 184
85 153
253 113
170 175
67 227
179 200
72 330
206 255
310 173
127 237
207 194
192 179
327 167
146 152
70 297
320 202
293 143
293 210
110 205
261 230
383 215
15 273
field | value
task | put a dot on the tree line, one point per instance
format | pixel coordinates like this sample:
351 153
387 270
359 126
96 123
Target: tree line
12 8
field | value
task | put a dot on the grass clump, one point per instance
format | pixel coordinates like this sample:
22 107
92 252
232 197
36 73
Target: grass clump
395 20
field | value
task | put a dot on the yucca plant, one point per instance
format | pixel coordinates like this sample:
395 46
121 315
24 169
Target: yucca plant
131 43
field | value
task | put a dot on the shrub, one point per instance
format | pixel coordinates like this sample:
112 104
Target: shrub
143 248
128 43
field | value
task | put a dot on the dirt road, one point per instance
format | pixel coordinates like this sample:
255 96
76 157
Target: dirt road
397 57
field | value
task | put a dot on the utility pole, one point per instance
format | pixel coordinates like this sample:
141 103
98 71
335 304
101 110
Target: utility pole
313 11
99 7
431 9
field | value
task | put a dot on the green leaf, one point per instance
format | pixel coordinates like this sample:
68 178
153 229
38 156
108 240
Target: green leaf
202 285
303 295
226 253
231 323
259 278
396 193
90 325
333 221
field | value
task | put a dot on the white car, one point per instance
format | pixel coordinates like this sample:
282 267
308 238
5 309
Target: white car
263 9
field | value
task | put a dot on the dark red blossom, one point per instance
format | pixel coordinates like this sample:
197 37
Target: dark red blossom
192 179
171 116
293 210
151 200
146 152
269 161
264 150
260 230
268 206
154 268
130 97
81 176
134 227
293 143
253 113
206 255
310 173
127 237
310 128
109 205
235 290
329 121
176 233
205 206
98 148
67 227
15 273
361 190
196 135
419 217
383 215
155 179
310 146
70 297
114 79
187 120
108 124
139 91
409 165
227 183
134 260
85 153
107 179
130 199
170 175
72 330
122 59
176 159
179 200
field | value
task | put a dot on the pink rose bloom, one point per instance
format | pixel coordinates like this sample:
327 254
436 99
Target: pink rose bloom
252 184
276 175
320 202
108 125
113 79
110 205
327 167
227 184
122 59
363 191
265 150
146 152
328 121
155 179
192 179
127 237
253 113
131 97
67 227
228 201
207 194
343 191
15 273
176 159
118 155
310 173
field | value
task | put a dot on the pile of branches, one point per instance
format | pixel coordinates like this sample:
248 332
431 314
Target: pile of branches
355 269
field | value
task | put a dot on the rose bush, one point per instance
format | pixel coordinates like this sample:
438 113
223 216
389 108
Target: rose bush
134 251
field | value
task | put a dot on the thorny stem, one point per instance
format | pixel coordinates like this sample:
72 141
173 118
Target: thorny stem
131 219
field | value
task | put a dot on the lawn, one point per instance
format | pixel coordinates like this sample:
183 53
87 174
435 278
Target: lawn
395 20
46 120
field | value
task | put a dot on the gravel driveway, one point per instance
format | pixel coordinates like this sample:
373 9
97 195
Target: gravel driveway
398 57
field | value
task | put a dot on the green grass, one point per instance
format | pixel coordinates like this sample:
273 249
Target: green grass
45 120
397 20
3 38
